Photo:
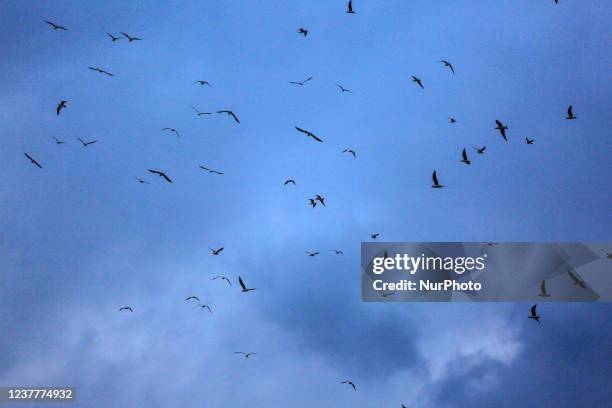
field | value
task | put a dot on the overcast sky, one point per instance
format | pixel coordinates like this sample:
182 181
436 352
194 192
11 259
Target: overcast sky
81 238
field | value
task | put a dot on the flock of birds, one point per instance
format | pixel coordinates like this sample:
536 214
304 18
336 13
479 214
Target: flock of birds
314 201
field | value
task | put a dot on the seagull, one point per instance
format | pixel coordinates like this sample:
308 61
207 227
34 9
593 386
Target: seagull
374 236
223 278
216 251
528 140
246 355
193 297
205 307
312 253
141 181
200 82
309 134
126 308
113 38
211 171
313 203
337 251
34 162
480 150
55 26
349 9
502 129
303 31
100 71
288 182
161 174
172 130
534 314
200 113
418 81
436 184
576 279
448 64
300 83
343 89
543 292
229 112
349 383
131 38
351 152
243 286
464 157
387 294
452 120
570 114
57 141
60 106
320 199
85 144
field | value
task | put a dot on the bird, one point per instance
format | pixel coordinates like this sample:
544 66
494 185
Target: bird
57 141
387 294
312 202
418 81
452 120
193 297
480 150
337 251
303 31
528 140
349 383
312 254
131 38
172 130
246 355
201 83
56 26
211 171
205 307
309 134
300 83
374 236
448 64
502 129
60 106
230 113
222 278
351 152
33 161
534 314
141 181
320 199
436 184
577 281
290 181
543 292
570 113
84 143
126 308
100 71
161 174
464 158
343 89
113 38
216 251
349 9
200 113
243 286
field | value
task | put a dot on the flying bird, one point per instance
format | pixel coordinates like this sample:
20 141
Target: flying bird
534 314
387 294
57 141
576 279
246 355
309 134
374 236
230 113
312 253
200 82
216 251
480 150
320 199
205 307
161 174
452 120
343 89
300 83
337 251
34 162
418 81
312 202
113 38
126 308
570 113
351 152
84 143
222 278
303 31
172 130
464 158
211 171
243 286
349 8
436 184
60 106
100 71
349 383
543 292
290 181
200 113
141 181
131 38
528 140
56 26
448 64
192 297
502 129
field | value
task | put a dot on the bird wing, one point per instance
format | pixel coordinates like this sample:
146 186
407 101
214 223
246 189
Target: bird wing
533 310
435 178
156 172
569 111
241 282
464 154
166 177
302 130
543 287
234 116
315 138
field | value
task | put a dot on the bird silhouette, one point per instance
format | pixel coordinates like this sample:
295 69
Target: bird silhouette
211 171
192 297
113 38
312 254
528 140
349 383
349 8
141 181
290 181
374 236
56 26
161 174
57 141
230 113
84 143
452 120
351 152
417 81
34 162
126 308
337 251
200 113
576 279
312 202
449 65
300 83
570 113
502 129
543 292
205 307
245 354
200 82
320 199
216 251
343 89
60 106
480 150
173 130
222 278
464 157
387 294
303 31
436 184
309 134
100 71
243 286
534 314
131 38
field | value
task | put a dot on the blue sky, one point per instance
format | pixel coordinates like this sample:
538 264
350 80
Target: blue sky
81 237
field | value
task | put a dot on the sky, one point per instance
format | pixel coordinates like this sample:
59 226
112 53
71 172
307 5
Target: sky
81 237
